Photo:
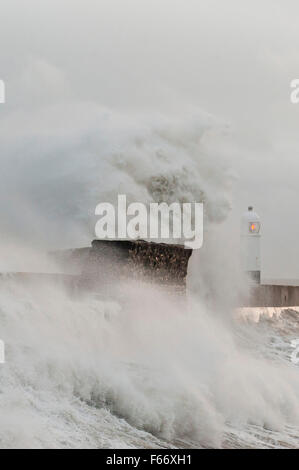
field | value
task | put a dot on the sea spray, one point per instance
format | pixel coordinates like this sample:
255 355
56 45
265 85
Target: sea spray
148 369
101 153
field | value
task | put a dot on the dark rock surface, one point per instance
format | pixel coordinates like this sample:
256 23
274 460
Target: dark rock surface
106 261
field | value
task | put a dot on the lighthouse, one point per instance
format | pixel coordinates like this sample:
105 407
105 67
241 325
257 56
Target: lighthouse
250 244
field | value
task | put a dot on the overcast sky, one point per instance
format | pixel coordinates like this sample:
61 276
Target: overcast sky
232 59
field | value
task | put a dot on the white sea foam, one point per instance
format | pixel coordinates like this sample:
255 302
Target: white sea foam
143 370
144 373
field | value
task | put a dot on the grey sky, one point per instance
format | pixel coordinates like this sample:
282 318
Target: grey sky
233 59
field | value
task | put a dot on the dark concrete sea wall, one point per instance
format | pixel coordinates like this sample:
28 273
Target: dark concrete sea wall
98 266
158 263
106 261
273 296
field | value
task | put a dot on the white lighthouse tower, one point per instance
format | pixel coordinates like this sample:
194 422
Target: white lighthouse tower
250 244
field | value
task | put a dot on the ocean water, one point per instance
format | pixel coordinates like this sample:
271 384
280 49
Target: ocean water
143 370
132 367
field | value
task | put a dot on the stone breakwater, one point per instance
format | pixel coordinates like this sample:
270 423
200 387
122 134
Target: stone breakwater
106 261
